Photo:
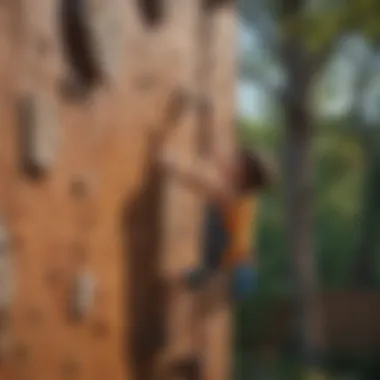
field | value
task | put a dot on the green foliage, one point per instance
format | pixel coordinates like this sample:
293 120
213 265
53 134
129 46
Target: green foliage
320 22
338 187
338 181
320 28
339 173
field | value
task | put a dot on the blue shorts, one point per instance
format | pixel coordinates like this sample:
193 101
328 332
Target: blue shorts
244 281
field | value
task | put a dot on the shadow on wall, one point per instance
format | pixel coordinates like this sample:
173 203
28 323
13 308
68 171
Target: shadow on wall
144 304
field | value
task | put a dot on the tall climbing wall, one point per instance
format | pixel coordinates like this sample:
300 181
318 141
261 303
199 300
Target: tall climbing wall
200 324
91 234
216 323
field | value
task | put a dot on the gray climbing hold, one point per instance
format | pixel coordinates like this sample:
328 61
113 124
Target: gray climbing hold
95 38
83 295
39 133
6 270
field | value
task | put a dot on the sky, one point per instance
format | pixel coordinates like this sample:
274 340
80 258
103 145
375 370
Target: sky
249 101
249 98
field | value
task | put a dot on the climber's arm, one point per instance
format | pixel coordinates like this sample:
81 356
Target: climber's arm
200 176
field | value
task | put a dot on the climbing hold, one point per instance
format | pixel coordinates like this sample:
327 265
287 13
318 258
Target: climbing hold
39 134
6 291
82 185
152 11
178 101
6 280
83 295
94 36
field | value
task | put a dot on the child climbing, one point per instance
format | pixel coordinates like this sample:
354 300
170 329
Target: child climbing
231 191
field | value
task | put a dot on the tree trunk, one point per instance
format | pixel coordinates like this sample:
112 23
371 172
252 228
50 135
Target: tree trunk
299 198
364 271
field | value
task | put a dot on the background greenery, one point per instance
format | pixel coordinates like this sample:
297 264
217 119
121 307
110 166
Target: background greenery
311 66
338 190
339 178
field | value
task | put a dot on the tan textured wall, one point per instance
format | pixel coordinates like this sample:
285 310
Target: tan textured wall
97 210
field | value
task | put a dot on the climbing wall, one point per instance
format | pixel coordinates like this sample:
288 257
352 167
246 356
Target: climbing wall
215 322
89 228
181 206
199 326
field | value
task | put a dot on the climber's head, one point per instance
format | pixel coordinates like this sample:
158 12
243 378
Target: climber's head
250 172
255 173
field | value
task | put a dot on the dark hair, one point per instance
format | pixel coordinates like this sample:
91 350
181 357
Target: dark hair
253 172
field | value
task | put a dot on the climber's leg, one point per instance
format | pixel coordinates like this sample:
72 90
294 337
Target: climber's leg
210 265
196 278
213 247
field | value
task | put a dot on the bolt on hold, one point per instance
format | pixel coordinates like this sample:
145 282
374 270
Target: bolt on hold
83 296
38 132
6 271
6 291
94 36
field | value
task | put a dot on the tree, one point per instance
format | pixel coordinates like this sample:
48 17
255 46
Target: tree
366 116
361 122
309 32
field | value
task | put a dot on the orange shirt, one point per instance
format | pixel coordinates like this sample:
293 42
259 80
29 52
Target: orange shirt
239 218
